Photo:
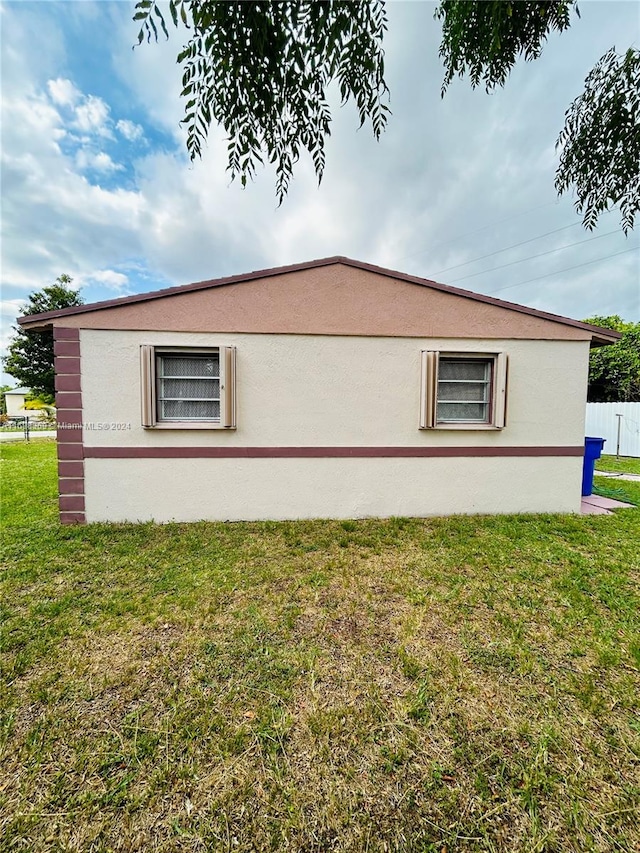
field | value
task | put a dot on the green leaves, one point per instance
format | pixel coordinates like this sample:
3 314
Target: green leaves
600 141
30 354
262 71
485 39
614 371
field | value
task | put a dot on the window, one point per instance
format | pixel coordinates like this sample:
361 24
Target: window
188 388
463 390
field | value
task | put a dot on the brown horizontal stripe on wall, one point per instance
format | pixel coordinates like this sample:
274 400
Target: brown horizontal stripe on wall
69 348
65 333
322 452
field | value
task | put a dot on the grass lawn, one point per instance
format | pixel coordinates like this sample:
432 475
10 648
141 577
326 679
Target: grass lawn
458 684
621 490
623 465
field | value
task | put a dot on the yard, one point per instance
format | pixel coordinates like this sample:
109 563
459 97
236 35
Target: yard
456 684
622 465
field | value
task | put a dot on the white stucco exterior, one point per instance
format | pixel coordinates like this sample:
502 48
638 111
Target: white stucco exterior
306 390
260 489
330 391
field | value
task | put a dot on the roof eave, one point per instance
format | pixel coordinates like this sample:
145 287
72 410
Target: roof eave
40 322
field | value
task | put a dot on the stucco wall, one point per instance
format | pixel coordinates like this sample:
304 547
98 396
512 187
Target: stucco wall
322 391
297 390
15 405
253 489
334 299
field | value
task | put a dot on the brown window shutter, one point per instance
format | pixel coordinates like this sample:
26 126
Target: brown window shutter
148 385
501 370
228 383
428 388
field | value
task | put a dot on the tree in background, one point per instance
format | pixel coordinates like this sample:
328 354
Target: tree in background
614 370
262 69
30 354
3 399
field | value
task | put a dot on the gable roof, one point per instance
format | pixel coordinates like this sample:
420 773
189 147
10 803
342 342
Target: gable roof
597 335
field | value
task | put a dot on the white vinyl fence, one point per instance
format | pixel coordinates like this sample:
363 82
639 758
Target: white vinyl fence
602 421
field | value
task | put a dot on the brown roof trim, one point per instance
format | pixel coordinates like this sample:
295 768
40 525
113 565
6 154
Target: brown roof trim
599 335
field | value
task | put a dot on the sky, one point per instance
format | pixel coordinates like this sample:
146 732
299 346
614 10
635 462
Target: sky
97 183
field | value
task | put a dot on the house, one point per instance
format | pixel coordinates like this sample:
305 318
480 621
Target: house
331 388
15 402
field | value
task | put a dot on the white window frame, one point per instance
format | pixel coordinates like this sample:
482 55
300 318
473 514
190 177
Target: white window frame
497 405
149 355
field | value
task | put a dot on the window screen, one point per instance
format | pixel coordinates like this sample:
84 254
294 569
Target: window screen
464 390
188 386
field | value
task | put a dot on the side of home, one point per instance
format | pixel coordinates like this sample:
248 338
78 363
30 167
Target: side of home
332 389
15 400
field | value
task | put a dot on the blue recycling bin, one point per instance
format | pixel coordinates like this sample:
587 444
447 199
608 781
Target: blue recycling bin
592 451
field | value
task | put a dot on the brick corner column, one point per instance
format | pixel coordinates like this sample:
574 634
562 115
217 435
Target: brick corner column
66 349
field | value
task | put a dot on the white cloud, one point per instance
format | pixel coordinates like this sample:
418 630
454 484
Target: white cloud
109 278
57 221
99 162
92 116
9 311
449 181
11 307
130 130
63 92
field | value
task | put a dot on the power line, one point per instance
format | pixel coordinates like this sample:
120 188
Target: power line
567 269
532 257
513 246
511 217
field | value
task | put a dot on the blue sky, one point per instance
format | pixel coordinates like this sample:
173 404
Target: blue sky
96 182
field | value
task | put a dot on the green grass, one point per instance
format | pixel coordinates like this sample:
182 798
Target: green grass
623 465
457 684
620 490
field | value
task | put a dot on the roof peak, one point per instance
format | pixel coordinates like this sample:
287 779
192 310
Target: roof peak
35 321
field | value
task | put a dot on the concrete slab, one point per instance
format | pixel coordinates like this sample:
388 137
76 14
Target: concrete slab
606 503
592 509
597 505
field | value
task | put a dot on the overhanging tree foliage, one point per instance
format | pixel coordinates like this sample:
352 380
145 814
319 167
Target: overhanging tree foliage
600 142
485 40
262 69
614 370
30 357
